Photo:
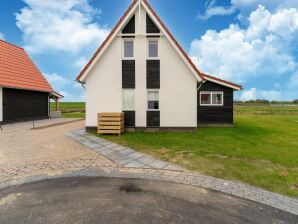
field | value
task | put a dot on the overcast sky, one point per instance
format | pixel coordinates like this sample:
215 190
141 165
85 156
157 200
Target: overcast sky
250 42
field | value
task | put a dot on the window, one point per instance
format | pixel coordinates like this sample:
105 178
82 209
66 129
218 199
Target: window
211 98
128 100
128 49
153 100
153 48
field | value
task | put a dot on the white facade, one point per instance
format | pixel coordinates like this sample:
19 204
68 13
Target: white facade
104 85
1 104
178 85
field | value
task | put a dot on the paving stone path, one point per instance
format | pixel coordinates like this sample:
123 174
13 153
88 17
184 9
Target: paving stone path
123 156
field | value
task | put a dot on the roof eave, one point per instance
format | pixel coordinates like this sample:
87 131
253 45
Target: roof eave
223 82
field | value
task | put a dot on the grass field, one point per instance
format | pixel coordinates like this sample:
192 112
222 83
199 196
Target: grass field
262 150
71 110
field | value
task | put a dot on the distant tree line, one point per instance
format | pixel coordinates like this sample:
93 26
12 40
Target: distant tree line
264 102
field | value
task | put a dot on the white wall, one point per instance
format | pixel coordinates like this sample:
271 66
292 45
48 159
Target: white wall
104 85
178 99
178 89
1 104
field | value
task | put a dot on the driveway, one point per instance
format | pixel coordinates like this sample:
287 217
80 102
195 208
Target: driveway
113 200
23 150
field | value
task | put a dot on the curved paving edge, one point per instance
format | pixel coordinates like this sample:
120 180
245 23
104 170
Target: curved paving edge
236 189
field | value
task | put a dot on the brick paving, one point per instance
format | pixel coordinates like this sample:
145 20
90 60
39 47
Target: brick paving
28 155
24 150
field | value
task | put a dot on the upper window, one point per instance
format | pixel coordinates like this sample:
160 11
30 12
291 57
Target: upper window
211 98
153 100
128 99
153 48
128 49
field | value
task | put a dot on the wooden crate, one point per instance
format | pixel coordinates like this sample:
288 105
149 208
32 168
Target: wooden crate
110 123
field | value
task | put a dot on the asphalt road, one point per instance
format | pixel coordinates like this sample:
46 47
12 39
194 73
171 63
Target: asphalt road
113 200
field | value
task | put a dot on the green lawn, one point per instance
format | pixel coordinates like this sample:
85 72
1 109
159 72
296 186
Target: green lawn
262 149
70 110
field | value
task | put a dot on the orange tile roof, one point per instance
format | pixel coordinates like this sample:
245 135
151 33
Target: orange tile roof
18 71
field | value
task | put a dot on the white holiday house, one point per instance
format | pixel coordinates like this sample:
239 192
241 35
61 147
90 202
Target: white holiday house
141 69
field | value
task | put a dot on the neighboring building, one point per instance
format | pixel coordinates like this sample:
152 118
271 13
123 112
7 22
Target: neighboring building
142 70
24 92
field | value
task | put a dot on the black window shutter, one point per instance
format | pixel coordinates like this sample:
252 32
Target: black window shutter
128 74
153 119
129 118
153 74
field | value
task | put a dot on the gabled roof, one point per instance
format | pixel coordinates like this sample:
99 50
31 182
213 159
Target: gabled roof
18 71
156 18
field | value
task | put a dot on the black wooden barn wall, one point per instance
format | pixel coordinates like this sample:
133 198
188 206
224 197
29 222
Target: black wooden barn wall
216 114
24 105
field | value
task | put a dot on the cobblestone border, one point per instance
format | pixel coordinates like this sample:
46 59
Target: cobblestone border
236 189
123 156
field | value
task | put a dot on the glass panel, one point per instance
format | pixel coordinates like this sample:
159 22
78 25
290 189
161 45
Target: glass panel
206 98
217 98
128 99
153 96
153 105
153 49
128 49
153 100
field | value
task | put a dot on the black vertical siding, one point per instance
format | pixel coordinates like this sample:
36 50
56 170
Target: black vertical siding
23 105
153 119
130 27
129 119
128 74
153 74
216 114
150 25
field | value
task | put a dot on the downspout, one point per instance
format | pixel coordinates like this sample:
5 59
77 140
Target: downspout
198 98
83 85
201 84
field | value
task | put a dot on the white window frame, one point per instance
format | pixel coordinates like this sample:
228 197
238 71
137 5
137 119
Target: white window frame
148 44
212 93
153 90
134 101
123 48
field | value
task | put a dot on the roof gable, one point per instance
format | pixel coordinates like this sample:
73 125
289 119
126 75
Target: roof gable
121 25
18 71
157 22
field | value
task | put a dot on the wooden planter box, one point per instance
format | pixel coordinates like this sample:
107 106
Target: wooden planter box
110 123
